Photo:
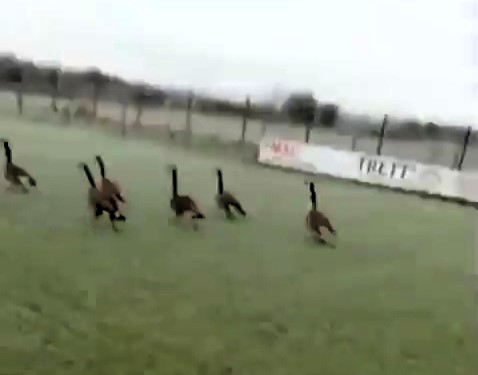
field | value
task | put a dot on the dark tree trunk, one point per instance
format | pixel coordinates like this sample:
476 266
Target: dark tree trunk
124 113
189 117
96 95
245 118
308 129
19 95
54 106
139 115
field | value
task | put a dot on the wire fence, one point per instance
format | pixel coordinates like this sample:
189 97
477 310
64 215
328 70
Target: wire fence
190 119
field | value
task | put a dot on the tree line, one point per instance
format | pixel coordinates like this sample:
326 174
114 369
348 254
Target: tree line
301 109
26 77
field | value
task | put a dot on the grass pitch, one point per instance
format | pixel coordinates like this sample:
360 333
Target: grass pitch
253 297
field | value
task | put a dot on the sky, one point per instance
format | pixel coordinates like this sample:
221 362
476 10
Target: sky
411 58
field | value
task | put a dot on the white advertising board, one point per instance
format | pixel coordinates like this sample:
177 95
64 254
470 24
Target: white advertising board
467 186
307 158
408 175
376 170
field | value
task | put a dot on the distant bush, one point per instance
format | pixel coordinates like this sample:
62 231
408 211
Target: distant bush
220 107
301 109
432 130
412 130
147 96
328 115
12 74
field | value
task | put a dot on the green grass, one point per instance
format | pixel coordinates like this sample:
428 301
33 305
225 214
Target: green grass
254 297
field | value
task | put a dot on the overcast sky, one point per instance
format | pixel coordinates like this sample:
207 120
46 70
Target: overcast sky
409 57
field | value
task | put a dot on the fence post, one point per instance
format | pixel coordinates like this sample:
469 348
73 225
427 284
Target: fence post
139 112
353 145
308 128
310 121
466 140
54 81
124 113
189 116
381 135
19 92
245 117
263 128
19 95
68 110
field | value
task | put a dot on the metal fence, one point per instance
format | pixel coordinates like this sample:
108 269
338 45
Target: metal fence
374 136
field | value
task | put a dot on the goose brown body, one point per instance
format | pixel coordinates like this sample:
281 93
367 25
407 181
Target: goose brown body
99 202
183 205
315 219
110 189
226 200
14 173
